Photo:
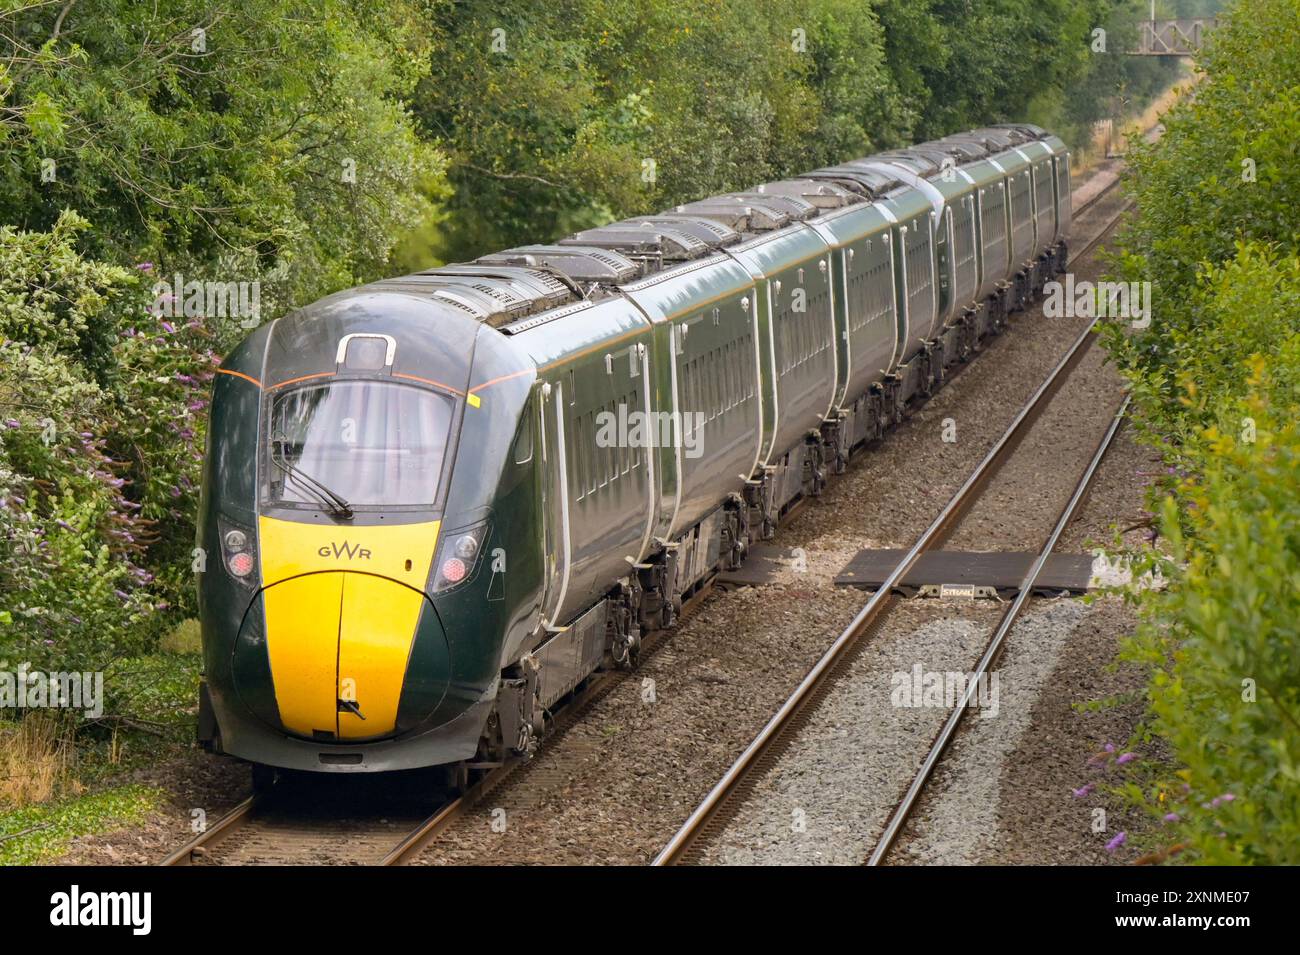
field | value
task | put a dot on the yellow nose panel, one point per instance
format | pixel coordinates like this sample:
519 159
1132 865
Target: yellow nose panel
375 632
342 636
302 641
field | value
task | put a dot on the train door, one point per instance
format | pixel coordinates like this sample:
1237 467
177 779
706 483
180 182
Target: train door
557 552
946 253
1063 195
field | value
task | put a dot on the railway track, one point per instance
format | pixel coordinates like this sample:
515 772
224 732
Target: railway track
723 801
279 828
993 650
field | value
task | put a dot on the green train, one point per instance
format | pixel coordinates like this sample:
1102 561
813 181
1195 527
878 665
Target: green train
442 501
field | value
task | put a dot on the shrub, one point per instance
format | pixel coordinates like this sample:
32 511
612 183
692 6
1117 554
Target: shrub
1216 381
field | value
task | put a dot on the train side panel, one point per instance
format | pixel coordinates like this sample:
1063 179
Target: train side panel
866 299
796 313
600 490
705 356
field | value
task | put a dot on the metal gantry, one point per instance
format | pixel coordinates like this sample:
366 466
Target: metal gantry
1173 37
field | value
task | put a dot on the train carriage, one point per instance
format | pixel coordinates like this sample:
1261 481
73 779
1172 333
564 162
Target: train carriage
438 502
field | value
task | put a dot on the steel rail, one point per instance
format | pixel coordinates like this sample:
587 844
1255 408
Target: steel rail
214 834
994 649
419 838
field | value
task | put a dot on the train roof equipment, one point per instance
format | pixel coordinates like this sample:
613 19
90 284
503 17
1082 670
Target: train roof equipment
583 264
823 193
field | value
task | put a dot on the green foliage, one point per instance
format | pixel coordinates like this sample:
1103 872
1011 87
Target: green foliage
159 690
1221 640
551 114
1223 173
199 136
1216 380
217 143
298 144
46 830
50 296
69 537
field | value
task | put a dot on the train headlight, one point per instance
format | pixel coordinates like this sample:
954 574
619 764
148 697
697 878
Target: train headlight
466 546
453 570
457 556
237 551
241 564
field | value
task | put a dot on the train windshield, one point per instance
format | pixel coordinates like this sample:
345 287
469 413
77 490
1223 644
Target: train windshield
364 441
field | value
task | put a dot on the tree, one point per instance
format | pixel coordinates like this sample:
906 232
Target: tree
259 138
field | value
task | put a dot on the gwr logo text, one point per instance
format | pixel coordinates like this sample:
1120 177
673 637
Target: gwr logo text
345 550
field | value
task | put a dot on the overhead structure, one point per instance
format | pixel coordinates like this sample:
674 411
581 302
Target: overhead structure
1183 37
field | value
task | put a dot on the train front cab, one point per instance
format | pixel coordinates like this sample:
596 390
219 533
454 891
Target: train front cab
369 641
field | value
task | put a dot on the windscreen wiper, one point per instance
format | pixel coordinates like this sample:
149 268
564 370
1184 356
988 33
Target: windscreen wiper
330 499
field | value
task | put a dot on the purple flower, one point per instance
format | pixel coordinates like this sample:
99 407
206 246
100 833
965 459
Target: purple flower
1083 790
1172 817
169 328
1116 842
13 423
185 378
1227 797
176 492
62 523
122 594
144 266
1126 758
1109 747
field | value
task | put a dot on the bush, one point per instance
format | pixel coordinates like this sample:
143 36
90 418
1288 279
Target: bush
1222 639
1216 382
98 461
71 584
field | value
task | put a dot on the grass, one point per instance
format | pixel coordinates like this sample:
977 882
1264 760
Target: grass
36 755
60 778
37 833
185 639
153 702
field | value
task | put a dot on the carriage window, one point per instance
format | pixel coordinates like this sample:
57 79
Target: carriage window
369 442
